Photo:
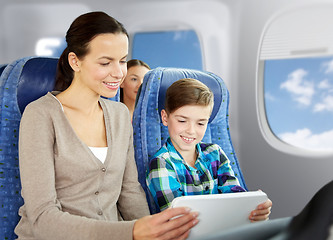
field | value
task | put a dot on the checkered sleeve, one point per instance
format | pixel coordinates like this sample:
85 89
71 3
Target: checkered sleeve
227 181
162 182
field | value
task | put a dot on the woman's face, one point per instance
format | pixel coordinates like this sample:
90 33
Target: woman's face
103 69
132 82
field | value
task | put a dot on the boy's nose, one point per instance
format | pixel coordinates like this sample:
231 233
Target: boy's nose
190 128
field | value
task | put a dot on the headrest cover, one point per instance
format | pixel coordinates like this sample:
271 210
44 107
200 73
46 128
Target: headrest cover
36 79
171 75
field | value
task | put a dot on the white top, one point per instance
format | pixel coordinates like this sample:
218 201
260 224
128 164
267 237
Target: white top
99 152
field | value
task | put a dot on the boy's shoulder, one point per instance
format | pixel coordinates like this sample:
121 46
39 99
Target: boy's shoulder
162 153
161 159
207 148
212 151
166 155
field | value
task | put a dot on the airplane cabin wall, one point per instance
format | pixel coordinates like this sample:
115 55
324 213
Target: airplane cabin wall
290 179
230 33
22 25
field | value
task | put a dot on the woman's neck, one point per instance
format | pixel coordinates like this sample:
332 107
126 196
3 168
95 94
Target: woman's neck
85 115
130 104
79 98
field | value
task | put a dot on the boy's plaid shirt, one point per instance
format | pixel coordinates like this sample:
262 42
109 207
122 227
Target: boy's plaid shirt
169 176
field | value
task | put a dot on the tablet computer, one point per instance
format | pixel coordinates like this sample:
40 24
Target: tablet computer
218 212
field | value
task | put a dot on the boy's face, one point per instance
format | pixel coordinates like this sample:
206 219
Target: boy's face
187 126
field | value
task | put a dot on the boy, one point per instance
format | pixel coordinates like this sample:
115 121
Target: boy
184 165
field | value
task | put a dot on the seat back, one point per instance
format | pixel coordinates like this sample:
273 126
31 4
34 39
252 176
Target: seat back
22 82
149 132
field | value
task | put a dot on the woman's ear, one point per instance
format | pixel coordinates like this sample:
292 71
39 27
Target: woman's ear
164 117
74 62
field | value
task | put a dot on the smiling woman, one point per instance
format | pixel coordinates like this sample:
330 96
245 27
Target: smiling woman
80 146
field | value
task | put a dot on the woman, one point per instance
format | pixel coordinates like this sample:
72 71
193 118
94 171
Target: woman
136 70
78 174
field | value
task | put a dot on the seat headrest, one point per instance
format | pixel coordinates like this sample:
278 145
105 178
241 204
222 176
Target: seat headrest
170 75
36 79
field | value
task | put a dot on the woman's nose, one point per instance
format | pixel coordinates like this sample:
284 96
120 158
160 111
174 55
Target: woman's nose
138 84
117 71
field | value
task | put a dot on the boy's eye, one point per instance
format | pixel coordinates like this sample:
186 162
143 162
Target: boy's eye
181 121
134 79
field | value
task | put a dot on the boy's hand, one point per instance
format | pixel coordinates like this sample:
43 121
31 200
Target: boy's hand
261 212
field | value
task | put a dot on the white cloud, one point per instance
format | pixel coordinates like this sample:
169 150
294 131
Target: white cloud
327 104
177 36
304 138
269 97
328 67
324 84
300 89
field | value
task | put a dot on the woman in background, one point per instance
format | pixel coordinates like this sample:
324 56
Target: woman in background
136 70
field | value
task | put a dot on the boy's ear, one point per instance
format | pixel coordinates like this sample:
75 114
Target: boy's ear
74 62
164 117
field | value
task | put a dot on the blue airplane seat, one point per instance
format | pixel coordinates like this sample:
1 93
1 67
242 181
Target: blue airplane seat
22 81
149 132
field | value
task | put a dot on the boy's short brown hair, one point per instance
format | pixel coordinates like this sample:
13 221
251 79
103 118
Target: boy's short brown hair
188 91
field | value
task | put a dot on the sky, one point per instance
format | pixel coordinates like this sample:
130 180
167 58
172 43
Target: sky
299 101
168 49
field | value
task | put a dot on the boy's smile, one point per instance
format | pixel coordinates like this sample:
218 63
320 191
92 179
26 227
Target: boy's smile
187 140
187 126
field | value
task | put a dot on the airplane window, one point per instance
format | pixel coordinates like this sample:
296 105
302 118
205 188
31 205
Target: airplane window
295 80
299 101
50 47
168 49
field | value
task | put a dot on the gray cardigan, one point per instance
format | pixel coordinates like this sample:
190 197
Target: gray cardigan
68 193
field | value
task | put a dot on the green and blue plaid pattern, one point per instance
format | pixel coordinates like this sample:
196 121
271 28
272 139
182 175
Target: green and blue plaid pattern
169 176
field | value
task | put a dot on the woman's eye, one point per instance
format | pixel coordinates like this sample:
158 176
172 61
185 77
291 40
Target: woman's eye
104 64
